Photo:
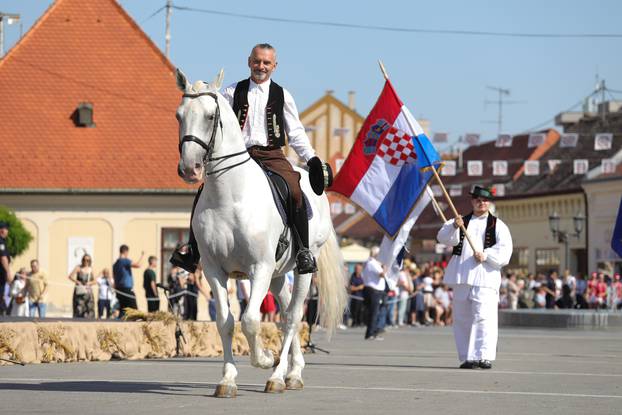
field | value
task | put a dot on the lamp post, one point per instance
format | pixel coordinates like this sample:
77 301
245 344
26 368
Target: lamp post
564 236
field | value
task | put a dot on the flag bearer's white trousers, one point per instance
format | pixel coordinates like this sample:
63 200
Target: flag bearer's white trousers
475 322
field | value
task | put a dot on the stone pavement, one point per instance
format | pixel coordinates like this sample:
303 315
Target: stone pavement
413 371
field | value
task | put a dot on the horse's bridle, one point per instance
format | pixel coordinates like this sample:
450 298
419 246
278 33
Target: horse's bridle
209 147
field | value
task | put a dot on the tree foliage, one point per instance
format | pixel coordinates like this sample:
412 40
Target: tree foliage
19 238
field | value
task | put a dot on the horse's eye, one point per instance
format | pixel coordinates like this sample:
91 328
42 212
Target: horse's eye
210 117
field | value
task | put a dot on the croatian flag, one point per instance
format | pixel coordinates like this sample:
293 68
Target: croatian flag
388 168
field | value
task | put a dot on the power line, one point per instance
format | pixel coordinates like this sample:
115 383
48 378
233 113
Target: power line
153 14
403 29
547 122
600 88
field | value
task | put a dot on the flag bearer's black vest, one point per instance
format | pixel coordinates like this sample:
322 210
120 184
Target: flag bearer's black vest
490 237
274 111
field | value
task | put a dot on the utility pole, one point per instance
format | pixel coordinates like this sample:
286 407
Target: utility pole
169 11
10 18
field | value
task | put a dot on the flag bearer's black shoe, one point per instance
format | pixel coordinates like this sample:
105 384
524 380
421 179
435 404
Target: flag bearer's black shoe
469 365
185 258
485 364
305 262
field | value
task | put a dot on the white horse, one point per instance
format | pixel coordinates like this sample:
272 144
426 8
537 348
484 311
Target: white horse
237 227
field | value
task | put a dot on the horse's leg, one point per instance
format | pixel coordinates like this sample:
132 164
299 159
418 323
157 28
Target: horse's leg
251 320
276 383
224 321
293 310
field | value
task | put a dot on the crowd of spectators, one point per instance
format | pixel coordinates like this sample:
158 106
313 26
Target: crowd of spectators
26 294
417 295
599 291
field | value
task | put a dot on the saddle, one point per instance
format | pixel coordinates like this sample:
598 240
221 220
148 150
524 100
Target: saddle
285 205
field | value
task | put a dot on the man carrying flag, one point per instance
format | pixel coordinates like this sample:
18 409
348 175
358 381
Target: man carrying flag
387 172
474 273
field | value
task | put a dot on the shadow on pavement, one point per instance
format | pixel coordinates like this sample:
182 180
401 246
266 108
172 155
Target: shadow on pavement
380 365
180 389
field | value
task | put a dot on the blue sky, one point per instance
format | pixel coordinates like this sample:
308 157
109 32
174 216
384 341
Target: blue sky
440 77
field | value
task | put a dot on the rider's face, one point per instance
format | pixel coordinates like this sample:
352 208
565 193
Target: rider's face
262 63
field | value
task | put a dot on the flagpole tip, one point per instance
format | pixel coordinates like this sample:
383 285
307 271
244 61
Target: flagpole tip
384 71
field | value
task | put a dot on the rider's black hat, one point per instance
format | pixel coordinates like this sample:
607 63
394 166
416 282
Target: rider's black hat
320 175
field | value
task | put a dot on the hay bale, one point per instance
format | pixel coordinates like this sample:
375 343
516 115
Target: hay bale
55 348
7 349
156 339
165 317
110 342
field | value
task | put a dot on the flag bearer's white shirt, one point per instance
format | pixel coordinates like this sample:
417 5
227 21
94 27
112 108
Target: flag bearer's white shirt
255 129
465 269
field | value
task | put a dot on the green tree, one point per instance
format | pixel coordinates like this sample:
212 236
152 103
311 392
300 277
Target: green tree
19 237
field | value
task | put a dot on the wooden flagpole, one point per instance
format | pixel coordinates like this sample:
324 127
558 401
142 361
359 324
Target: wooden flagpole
438 209
438 178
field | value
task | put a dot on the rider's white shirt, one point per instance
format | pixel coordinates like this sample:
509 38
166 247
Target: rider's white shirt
255 129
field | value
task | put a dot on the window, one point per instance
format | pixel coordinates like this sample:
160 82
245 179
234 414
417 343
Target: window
547 260
519 263
171 237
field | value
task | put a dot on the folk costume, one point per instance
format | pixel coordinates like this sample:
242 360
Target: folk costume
267 115
476 285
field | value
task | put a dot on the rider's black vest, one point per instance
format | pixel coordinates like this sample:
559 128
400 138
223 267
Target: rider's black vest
490 236
274 111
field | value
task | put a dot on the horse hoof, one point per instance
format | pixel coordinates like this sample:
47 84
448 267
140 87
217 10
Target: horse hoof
294 384
226 391
274 386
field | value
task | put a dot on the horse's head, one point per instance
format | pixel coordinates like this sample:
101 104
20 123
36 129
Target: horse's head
199 120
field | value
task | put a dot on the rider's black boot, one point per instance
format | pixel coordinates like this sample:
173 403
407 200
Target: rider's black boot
305 262
187 256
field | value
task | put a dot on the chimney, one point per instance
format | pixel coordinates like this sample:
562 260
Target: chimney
351 103
330 92
84 115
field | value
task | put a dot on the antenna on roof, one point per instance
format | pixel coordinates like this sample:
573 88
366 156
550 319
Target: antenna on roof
169 11
500 102
9 18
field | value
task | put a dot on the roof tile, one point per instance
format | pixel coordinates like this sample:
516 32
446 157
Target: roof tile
88 51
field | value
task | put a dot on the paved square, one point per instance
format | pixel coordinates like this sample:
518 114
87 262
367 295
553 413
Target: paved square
413 371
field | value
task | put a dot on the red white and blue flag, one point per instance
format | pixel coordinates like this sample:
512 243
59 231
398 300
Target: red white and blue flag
388 168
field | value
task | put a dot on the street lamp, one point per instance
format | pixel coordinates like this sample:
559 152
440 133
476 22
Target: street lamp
564 236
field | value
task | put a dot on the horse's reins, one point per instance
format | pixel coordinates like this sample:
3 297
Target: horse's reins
209 147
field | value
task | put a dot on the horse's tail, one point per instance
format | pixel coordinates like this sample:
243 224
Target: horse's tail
331 284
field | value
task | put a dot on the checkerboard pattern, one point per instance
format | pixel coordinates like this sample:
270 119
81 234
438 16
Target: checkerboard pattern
397 148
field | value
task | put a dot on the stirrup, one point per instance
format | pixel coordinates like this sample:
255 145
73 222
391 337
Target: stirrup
185 260
305 262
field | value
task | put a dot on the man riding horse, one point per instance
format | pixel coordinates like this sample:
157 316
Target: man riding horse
266 113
